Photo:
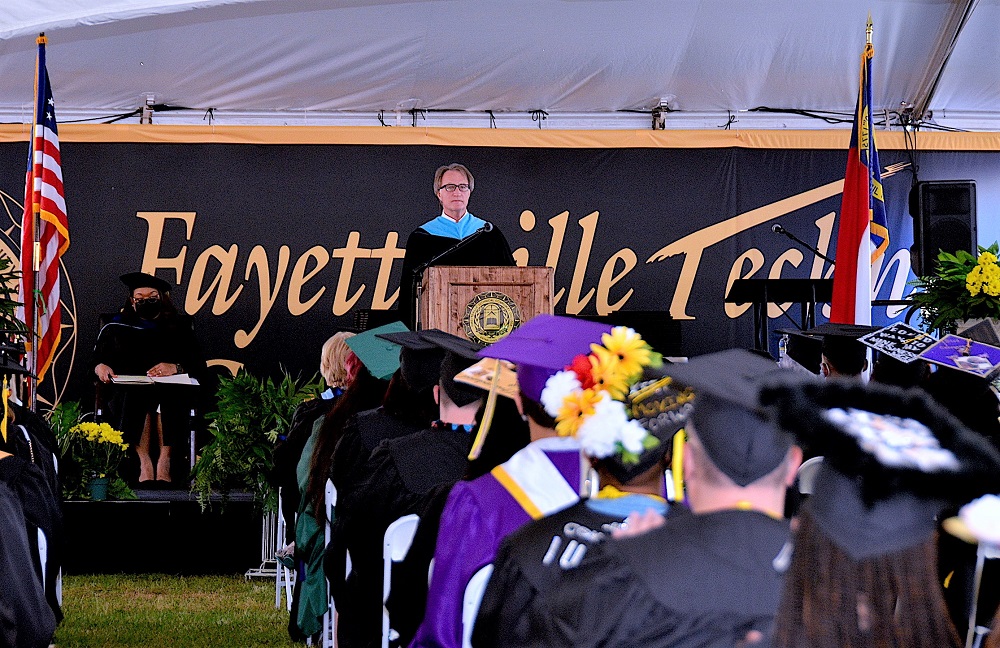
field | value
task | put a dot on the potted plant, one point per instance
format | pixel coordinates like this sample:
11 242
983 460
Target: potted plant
74 466
98 449
252 412
962 287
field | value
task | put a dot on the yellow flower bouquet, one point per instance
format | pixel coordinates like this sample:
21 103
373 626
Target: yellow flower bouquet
98 448
962 287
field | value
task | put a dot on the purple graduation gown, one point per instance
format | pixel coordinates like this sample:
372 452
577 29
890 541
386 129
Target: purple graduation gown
478 516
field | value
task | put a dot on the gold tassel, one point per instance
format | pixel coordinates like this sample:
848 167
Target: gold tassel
484 425
677 465
6 407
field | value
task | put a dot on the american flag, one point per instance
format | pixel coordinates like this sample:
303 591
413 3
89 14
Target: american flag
44 229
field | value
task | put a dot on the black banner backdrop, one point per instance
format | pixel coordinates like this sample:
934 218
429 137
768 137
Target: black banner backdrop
273 247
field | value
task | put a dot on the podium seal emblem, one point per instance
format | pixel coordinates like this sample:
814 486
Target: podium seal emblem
490 316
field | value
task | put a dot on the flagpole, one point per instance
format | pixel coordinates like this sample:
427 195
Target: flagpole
31 384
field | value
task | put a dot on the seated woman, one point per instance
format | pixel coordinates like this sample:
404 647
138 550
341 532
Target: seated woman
148 337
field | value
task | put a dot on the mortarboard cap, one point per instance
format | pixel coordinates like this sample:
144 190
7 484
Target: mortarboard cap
892 459
459 354
419 358
480 375
380 357
544 345
737 434
662 409
142 280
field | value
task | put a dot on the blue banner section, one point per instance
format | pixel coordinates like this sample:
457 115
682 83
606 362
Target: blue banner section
274 248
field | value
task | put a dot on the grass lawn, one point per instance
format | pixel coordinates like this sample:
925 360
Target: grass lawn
172 611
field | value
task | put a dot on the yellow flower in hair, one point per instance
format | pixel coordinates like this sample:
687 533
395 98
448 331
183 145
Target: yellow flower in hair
608 374
575 409
630 350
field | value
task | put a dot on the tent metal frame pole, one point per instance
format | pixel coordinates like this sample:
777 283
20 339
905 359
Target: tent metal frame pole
946 41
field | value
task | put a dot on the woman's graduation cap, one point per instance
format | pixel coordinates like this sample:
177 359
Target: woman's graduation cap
136 280
380 356
892 460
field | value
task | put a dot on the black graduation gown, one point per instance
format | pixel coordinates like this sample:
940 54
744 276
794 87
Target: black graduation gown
488 249
361 435
26 619
700 581
408 592
531 561
34 478
132 346
286 454
399 476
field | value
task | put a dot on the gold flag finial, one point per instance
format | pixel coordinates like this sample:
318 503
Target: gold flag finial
868 28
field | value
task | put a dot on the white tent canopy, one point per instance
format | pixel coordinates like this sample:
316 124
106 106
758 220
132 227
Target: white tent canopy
586 63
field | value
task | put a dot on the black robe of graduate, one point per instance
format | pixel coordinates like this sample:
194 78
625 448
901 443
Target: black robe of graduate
700 581
33 475
531 561
26 619
362 433
286 454
488 249
400 474
408 593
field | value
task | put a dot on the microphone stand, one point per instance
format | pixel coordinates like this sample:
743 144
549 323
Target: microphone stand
418 272
778 229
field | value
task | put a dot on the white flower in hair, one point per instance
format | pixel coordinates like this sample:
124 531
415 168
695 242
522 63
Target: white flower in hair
557 388
632 436
982 517
599 434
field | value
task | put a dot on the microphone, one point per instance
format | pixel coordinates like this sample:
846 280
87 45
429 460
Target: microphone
777 229
487 227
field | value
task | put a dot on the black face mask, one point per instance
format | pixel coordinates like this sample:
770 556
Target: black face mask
148 308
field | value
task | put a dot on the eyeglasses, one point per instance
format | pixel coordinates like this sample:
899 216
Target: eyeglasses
456 187
146 300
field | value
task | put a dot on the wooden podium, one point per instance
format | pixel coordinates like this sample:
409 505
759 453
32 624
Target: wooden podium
483 303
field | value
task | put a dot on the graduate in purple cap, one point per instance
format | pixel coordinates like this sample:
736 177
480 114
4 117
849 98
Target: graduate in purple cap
542 478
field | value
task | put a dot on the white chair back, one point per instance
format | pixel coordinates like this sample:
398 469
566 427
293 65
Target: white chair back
470 602
398 538
807 473
284 578
330 617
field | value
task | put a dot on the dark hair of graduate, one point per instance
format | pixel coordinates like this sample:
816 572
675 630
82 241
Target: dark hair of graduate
364 392
892 600
403 403
508 434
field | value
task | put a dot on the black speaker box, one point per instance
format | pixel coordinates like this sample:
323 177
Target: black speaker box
944 218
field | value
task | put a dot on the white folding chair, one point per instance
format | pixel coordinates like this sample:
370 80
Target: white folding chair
806 475
398 538
330 617
283 576
470 602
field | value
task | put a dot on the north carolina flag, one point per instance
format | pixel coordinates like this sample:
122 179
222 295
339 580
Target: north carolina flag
862 236
44 228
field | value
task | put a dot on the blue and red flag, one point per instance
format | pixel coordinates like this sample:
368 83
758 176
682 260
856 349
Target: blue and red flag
44 228
862 235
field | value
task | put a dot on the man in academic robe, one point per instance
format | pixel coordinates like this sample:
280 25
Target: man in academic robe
399 477
453 186
710 579
540 479
531 560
